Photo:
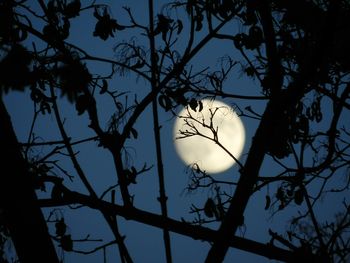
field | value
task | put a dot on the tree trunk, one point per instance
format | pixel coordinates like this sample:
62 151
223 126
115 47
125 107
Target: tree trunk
18 201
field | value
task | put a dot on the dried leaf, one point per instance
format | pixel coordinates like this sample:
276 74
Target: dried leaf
210 208
193 104
67 243
200 106
82 104
268 202
179 26
72 9
298 197
165 102
61 227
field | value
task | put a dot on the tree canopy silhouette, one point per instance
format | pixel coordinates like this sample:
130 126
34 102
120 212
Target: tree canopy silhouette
293 53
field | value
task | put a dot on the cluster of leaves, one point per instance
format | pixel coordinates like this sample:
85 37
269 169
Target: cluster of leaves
171 99
220 9
71 85
293 126
19 61
9 31
223 9
65 239
37 172
295 20
252 40
83 102
163 26
211 209
287 192
194 9
16 59
300 128
105 26
16 63
59 13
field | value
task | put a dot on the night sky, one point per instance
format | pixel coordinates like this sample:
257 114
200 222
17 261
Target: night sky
145 243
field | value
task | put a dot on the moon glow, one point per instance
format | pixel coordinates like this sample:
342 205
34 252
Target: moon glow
202 149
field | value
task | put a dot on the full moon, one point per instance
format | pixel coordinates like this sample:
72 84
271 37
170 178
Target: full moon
212 137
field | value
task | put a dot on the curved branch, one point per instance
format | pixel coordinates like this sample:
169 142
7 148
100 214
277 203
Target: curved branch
182 228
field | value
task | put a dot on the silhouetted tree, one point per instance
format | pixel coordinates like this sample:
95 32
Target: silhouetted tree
296 54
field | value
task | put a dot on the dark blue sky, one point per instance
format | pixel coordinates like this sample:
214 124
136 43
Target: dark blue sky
145 243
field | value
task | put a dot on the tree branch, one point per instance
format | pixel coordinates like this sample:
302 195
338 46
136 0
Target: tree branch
183 228
156 128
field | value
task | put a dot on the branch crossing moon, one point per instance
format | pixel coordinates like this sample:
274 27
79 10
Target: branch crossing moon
213 137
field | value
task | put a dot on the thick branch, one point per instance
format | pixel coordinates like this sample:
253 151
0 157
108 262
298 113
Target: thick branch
272 115
154 83
183 228
18 201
